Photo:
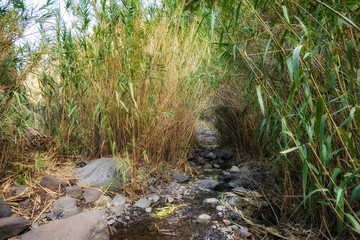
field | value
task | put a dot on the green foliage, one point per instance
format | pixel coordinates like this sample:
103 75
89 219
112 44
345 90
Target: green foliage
303 60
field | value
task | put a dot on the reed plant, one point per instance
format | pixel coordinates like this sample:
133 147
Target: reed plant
124 81
301 59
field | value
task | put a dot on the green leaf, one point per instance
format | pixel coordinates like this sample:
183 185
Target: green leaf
286 15
289 150
296 55
354 222
349 52
260 99
319 111
354 194
212 25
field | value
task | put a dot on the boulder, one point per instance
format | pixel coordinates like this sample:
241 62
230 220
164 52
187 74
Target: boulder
11 226
99 172
89 225
5 210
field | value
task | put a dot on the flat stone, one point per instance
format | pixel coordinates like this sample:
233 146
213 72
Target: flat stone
204 218
225 173
234 169
143 203
208 183
51 182
91 195
211 200
181 178
119 200
65 204
11 226
74 191
5 210
84 226
98 173
216 165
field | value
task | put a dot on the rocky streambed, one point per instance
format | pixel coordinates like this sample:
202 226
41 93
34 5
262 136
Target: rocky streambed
216 204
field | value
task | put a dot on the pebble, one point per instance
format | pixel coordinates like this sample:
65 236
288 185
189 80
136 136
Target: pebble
154 198
119 200
221 208
204 218
19 190
211 200
170 199
74 191
225 173
91 195
51 182
181 178
216 165
207 166
234 169
211 155
143 203
148 210
65 204
245 169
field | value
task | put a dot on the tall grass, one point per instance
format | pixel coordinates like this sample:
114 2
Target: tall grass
302 60
13 71
124 83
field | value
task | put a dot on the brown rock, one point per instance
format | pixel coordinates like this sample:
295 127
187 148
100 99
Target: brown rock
50 182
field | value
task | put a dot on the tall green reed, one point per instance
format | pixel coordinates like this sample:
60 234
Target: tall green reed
302 59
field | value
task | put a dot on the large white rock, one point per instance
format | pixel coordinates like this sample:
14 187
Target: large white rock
99 172
89 225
